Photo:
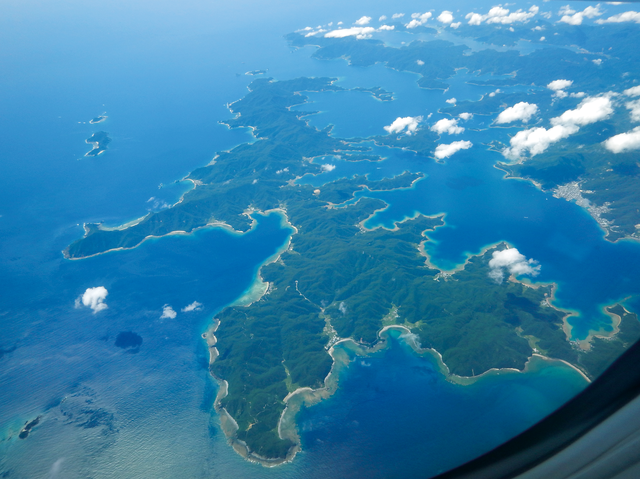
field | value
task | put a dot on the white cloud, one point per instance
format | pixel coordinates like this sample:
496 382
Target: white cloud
522 111
408 122
395 16
382 18
327 167
93 298
634 107
624 141
455 25
542 39
452 101
358 32
445 151
311 34
597 61
386 27
557 85
633 91
445 17
420 62
590 110
536 140
363 21
342 307
418 19
466 116
168 312
575 18
511 261
195 306
503 16
622 17
493 93
579 94
447 125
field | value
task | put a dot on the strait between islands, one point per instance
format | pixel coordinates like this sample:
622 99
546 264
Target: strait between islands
337 282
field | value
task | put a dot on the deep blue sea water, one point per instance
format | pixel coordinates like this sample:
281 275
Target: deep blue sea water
164 73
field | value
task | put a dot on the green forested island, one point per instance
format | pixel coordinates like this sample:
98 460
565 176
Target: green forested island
338 279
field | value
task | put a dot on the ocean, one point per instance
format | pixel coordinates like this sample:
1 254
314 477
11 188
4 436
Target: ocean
164 74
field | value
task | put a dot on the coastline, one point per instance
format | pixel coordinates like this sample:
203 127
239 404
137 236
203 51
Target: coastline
306 396
255 292
342 351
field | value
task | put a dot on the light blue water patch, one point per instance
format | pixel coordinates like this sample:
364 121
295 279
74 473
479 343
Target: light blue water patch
395 415
77 357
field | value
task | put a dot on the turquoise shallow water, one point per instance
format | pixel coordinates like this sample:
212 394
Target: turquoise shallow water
164 75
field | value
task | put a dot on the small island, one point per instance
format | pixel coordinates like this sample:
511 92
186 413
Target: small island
256 72
98 119
29 425
99 140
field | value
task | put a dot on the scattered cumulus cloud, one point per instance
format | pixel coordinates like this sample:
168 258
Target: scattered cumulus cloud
195 306
395 16
418 19
93 298
634 110
157 204
363 21
342 307
493 93
597 61
628 141
408 122
633 91
386 27
168 312
445 151
447 125
522 111
621 17
575 18
590 110
537 140
465 116
455 25
327 167
502 16
420 62
358 32
445 17
558 87
382 18
512 261
451 101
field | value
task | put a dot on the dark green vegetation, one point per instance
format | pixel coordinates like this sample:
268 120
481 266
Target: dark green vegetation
24 432
100 140
442 58
336 277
